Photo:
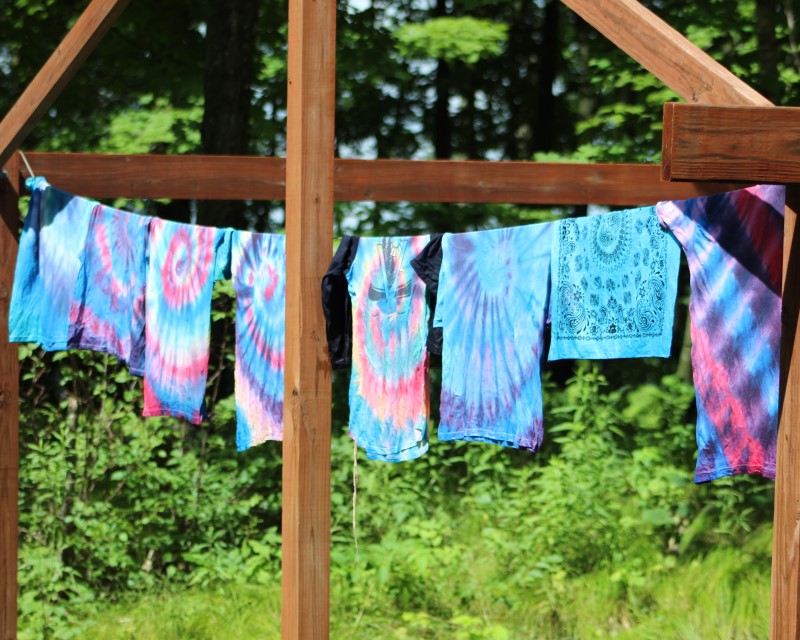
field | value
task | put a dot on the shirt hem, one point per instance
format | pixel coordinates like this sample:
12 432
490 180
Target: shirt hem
707 476
173 413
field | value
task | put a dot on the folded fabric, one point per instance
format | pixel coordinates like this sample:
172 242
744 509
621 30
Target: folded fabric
258 264
107 310
734 246
614 282
388 384
185 260
49 257
491 304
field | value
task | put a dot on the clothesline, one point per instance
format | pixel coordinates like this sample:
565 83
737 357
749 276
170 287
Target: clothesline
90 276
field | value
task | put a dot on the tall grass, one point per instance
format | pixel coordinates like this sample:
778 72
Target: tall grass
722 596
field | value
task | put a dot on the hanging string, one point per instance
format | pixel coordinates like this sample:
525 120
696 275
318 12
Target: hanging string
355 495
27 165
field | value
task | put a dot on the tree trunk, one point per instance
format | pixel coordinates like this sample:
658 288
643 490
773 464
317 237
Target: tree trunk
230 66
545 129
442 134
768 50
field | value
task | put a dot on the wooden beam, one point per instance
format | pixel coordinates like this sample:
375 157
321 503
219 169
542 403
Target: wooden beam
56 73
785 603
252 178
9 406
162 176
672 58
752 144
305 611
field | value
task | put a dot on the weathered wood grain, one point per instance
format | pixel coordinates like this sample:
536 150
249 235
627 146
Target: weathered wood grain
305 611
254 178
752 144
9 406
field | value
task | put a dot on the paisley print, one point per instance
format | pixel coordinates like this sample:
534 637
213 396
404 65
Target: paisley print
615 279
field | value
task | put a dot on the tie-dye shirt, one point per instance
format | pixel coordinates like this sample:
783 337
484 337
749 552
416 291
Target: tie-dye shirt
107 311
389 380
734 246
49 257
492 299
185 260
259 280
615 278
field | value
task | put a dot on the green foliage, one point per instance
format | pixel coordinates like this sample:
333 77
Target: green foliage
463 39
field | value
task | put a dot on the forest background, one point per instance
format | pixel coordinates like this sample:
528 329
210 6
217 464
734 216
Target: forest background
133 528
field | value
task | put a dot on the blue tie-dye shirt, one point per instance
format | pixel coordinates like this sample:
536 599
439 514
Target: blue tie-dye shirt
492 298
49 257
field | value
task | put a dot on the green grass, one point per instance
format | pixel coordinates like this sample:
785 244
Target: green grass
722 596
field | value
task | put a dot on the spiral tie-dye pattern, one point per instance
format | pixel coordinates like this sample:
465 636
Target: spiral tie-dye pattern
184 262
492 296
734 246
259 280
47 266
107 310
389 380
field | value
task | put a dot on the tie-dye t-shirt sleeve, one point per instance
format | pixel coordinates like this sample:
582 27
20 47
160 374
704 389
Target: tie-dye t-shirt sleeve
180 279
389 380
49 257
107 311
259 280
734 246
491 304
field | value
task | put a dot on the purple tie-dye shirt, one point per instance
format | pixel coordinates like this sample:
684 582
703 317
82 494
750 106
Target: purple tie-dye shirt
493 290
107 311
258 265
184 262
734 245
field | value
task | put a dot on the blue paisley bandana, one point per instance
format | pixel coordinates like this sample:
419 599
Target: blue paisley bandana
614 282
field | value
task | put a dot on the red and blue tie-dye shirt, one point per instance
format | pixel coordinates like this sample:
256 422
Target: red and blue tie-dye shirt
734 246
377 318
258 265
107 311
185 260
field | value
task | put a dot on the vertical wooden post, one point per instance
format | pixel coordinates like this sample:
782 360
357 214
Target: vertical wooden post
9 406
785 610
307 400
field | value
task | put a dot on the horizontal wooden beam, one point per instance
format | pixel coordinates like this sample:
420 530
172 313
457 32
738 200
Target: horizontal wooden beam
671 57
752 144
56 73
257 178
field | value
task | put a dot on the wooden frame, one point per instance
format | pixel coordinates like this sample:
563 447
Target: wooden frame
313 179
258 178
703 142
